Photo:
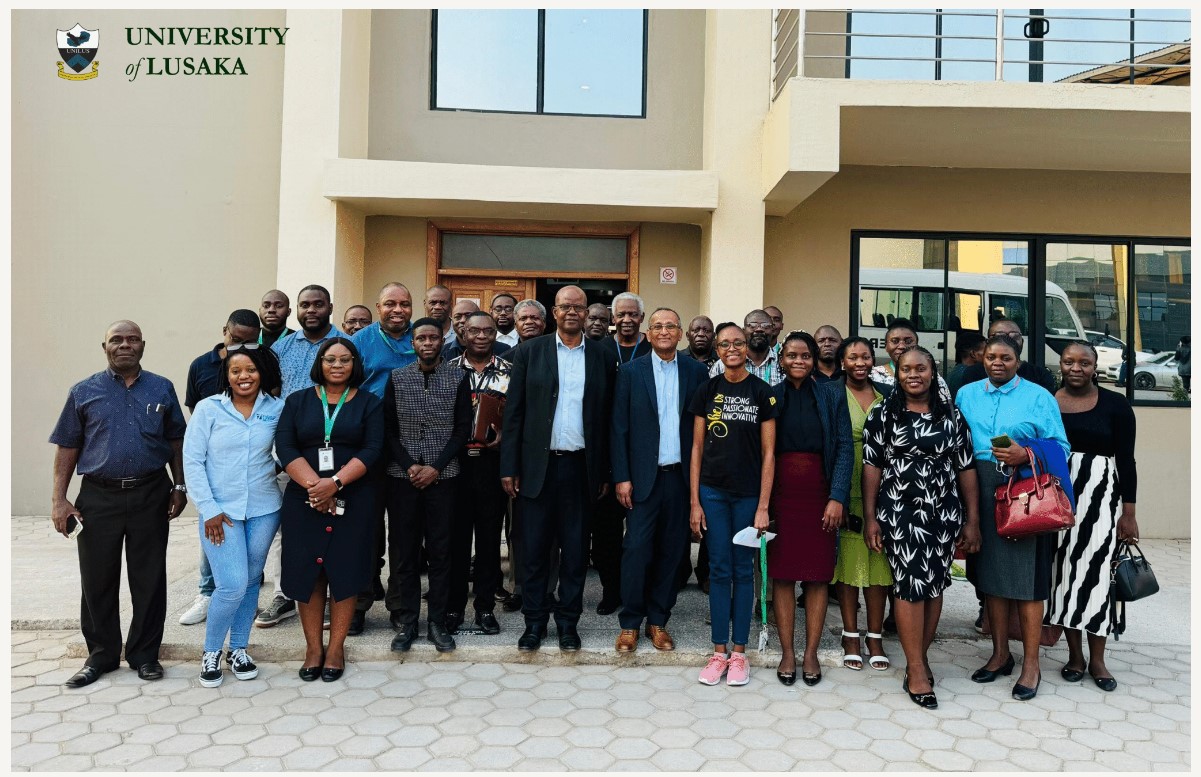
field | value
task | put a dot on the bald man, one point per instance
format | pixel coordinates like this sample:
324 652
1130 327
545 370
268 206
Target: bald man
120 429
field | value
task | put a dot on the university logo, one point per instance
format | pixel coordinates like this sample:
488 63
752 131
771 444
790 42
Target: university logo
78 47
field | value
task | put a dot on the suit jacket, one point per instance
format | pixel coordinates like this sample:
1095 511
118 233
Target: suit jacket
530 412
838 446
635 427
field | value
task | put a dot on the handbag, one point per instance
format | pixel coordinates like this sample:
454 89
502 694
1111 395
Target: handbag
1131 577
1033 505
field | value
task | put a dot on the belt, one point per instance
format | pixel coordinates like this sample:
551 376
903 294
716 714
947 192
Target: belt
141 480
554 452
670 467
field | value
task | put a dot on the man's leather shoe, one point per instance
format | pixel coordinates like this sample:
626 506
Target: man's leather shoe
394 619
356 623
627 641
151 670
437 633
512 604
487 622
660 638
569 639
607 606
453 621
531 638
404 638
85 676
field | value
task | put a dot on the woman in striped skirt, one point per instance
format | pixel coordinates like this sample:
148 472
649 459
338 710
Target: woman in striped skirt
1100 429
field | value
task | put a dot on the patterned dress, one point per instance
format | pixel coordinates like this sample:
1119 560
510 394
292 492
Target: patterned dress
918 505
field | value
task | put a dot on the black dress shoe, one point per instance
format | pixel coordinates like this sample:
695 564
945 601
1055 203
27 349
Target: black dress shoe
811 679
329 674
531 638
569 639
1071 675
1022 693
512 604
151 670
453 621
437 633
85 676
487 622
1107 684
927 700
607 606
501 594
786 678
404 638
356 624
986 675
311 673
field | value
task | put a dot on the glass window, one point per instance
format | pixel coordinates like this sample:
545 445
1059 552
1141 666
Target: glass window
562 255
586 62
1162 278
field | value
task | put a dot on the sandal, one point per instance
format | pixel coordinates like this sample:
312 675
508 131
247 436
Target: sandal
851 658
880 663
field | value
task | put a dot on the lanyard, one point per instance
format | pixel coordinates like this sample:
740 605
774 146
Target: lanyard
388 342
285 333
329 420
633 350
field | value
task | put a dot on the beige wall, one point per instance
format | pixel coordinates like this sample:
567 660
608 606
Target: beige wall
394 251
154 200
807 264
403 127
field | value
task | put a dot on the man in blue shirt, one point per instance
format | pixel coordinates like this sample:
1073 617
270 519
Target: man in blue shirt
120 428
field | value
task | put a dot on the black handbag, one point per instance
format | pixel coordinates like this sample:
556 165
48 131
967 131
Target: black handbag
1132 578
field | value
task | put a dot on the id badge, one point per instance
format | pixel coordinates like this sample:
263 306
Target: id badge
325 459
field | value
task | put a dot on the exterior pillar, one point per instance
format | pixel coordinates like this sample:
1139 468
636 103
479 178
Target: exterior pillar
327 78
737 97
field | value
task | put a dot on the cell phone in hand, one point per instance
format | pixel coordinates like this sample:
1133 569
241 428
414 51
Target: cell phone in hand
74 527
1002 441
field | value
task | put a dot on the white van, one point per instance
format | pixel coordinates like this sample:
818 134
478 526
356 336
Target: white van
918 295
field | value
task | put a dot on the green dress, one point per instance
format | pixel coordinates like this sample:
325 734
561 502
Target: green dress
856 565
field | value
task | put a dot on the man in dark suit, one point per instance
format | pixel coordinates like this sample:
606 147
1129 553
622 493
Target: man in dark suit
650 476
554 460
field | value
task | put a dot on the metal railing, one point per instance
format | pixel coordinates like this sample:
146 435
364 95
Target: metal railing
1099 46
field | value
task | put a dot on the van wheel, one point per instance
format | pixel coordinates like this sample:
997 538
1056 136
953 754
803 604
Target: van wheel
1144 381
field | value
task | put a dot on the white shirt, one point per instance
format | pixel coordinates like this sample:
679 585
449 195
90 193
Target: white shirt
567 429
512 338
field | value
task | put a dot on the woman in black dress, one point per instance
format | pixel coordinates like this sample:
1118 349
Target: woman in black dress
916 450
1100 429
814 461
328 437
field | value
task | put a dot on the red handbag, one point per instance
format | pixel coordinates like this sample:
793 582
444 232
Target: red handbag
1033 505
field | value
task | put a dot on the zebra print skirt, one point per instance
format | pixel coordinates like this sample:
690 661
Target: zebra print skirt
1080 564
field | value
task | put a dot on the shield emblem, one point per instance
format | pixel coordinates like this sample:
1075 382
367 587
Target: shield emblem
78 47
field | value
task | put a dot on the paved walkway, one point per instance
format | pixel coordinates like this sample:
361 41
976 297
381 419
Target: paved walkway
497 714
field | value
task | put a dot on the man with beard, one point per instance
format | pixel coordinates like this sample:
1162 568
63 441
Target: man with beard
531 319
762 361
777 326
355 318
481 502
427 418
700 341
383 346
554 460
437 307
502 314
274 310
827 367
596 325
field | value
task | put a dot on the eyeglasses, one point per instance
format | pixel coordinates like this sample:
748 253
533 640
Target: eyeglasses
581 309
241 346
473 331
737 345
341 360
663 327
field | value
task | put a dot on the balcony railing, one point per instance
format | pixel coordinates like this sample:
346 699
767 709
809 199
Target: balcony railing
1103 46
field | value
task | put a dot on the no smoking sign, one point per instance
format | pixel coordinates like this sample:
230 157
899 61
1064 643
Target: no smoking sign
667 275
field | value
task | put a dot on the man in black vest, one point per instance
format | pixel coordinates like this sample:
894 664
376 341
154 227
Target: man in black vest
427 417
554 459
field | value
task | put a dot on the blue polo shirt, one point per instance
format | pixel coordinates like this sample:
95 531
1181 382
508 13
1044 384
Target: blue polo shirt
202 377
296 356
122 432
381 353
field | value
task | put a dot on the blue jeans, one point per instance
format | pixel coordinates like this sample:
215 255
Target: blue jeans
207 585
731 567
237 565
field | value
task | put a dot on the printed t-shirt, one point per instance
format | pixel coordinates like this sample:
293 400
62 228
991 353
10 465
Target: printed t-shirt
733 413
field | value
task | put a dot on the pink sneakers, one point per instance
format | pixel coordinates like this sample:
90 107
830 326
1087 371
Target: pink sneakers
711 674
736 672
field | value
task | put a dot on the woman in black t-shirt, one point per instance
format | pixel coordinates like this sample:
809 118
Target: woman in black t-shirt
733 466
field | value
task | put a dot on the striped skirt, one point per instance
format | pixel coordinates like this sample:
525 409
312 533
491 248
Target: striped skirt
1080 565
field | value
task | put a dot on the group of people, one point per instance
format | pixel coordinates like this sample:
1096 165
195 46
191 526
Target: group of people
318 456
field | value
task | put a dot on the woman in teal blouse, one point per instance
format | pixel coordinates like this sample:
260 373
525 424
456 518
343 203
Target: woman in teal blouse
1009 571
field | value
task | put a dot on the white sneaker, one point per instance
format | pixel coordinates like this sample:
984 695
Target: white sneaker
197 612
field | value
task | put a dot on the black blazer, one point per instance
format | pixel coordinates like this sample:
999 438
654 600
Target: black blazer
530 412
635 427
838 457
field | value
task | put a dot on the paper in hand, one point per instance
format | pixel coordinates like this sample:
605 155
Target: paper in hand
750 537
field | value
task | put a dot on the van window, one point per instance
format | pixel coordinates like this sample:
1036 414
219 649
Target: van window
1059 318
929 311
1011 307
880 307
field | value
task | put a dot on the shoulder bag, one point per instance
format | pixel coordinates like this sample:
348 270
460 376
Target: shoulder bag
1033 505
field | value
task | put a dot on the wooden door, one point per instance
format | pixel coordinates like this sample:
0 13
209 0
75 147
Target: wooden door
480 289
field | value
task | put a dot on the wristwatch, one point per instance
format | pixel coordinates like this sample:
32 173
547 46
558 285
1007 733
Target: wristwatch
338 482
180 487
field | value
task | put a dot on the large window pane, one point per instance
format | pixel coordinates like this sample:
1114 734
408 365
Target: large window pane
901 278
562 255
1162 280
487 60
594 62
1092 277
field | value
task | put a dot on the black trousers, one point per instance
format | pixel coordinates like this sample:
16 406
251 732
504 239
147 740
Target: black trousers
135 518
416 515
479 511
656 539
702 564
608 527
560 515
367 598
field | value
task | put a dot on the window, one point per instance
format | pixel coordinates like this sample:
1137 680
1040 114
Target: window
557 61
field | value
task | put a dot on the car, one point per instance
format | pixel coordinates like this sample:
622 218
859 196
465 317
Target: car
1109 352
1155 373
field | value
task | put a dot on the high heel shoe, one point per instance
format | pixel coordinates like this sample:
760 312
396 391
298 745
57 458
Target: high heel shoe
925 700
1022 693
311 673
986 675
